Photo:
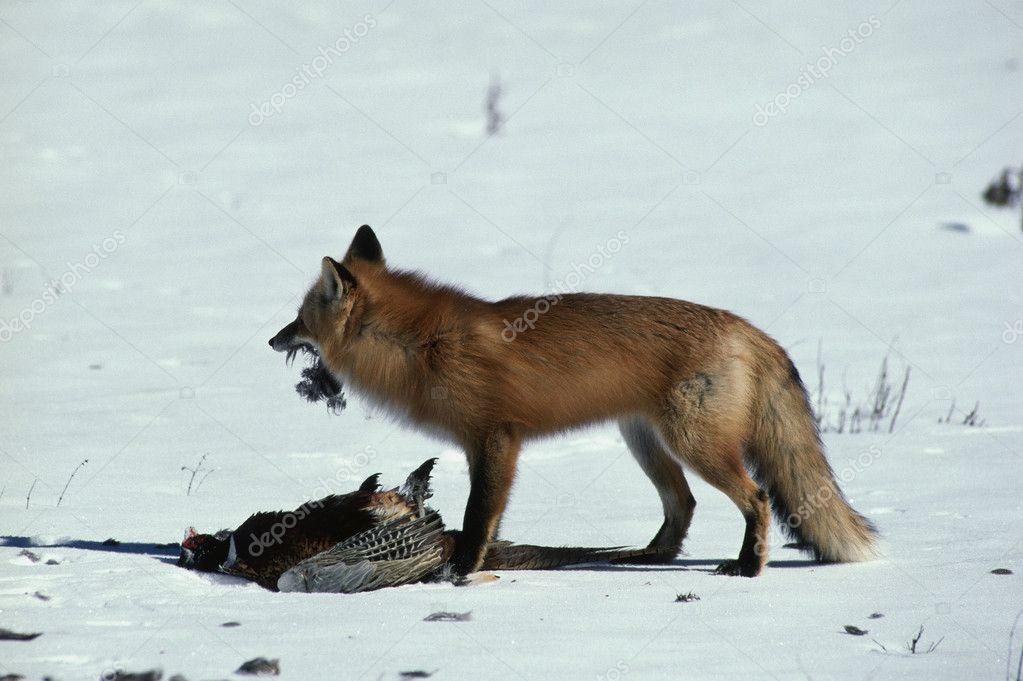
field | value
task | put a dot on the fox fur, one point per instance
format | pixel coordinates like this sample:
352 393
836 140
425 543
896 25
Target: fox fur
689 386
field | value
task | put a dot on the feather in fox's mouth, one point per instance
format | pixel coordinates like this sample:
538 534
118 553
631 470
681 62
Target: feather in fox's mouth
305 348
318 383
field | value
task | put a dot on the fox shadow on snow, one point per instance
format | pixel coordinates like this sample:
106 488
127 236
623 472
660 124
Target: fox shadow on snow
168 553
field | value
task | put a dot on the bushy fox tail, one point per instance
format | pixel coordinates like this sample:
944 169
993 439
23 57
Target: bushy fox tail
787 459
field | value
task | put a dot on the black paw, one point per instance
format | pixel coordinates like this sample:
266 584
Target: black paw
735 568
467 558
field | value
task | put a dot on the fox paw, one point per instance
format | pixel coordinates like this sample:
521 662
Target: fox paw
735 568
467 559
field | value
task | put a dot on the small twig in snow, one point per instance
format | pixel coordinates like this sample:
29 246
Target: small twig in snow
948 417
29 497
495 119
973 418
70 478
898 405
912 645
192 484
1008 658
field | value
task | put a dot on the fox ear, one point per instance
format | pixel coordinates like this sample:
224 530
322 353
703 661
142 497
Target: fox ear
337 280
365 247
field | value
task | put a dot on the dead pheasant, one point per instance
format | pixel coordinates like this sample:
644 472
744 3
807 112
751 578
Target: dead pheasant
367 539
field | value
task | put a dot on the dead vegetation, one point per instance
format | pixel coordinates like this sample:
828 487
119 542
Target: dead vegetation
492 106
915 646
1014 653
971 418
875 409
70 478
199 473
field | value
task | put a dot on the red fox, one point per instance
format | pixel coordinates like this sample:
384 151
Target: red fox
688 385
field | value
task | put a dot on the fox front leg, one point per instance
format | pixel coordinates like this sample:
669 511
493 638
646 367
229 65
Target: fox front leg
492 463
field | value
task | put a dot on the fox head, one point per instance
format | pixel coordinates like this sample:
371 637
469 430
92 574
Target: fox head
323 324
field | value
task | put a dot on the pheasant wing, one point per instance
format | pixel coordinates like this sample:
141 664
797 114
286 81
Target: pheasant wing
398 552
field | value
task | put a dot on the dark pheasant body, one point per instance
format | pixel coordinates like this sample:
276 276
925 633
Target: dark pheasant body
361 541
268 544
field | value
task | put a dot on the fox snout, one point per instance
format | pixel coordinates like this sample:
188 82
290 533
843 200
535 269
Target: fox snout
289 337
281 342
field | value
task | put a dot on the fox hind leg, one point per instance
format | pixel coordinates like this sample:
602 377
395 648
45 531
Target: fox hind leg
704 428
722 466
668 477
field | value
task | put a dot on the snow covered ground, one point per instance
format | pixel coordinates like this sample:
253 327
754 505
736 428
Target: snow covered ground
168 189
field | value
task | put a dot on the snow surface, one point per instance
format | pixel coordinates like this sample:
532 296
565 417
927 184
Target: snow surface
852 220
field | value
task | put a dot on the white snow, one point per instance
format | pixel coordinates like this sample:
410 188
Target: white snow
181 238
